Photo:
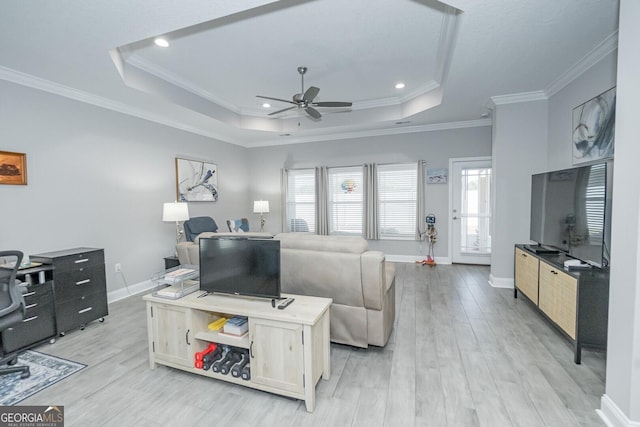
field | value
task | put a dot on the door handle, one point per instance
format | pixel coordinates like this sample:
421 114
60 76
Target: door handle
455 217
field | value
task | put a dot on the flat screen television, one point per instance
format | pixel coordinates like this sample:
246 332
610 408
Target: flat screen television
570 212
240 266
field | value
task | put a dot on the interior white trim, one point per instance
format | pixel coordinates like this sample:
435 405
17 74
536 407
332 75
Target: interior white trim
375 132
597 54
515 98
613 416
414 258
126 292
179 81
38 83
501 282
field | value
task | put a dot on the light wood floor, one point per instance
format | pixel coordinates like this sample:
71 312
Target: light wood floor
461 354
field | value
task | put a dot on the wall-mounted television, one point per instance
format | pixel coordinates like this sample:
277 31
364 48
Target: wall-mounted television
240 266
570 212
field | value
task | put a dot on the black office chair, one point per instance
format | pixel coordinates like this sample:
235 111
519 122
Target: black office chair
12 307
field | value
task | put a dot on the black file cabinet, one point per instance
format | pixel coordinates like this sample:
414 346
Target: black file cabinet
39 323
79 285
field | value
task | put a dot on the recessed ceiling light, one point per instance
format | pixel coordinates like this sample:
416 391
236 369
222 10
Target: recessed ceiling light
399 85
266 105
161 42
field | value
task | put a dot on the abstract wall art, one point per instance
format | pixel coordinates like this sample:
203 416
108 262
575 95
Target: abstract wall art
593 128
196 181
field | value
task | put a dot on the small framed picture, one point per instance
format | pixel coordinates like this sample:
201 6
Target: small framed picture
437 176
13 168
196 181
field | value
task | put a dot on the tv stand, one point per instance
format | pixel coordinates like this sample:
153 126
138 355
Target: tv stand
576 302
288 349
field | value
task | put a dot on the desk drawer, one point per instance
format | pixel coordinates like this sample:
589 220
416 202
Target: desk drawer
80 311
86 280
38 325
78 261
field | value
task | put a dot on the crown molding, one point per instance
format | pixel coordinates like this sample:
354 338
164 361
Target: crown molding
285 140
597 54
38 83
515 98
178 81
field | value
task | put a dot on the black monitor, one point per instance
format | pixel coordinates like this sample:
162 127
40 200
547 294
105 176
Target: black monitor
240 266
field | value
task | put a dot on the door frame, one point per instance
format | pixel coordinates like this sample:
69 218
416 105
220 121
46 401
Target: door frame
453 160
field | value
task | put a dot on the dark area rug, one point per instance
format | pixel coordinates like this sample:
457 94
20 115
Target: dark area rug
46 370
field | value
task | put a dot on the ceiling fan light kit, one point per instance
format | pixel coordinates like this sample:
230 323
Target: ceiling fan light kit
304 99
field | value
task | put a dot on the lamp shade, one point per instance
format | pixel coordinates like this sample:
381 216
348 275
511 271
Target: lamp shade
175 212
261 206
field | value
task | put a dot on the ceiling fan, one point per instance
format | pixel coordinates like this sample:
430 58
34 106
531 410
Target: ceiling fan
304 99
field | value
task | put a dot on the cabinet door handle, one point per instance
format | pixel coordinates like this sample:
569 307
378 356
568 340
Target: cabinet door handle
83 282
30 319
28 294
554 272
31 305
524 255
85 310
186 337
78 261
251 349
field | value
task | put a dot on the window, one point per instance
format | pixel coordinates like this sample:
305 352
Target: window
397 198
301 200
345 200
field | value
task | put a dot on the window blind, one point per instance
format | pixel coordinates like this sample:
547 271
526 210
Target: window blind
301 200
345 202
397 198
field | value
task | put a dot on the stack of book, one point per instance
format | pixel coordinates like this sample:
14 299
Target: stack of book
236 326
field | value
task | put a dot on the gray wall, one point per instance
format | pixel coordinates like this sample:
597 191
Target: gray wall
99 178
435 147
519 149
623 352
599 78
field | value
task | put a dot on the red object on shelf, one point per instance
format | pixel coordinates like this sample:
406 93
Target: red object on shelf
199 355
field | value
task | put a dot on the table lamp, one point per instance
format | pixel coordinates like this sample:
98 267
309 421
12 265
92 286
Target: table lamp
176 212
261 207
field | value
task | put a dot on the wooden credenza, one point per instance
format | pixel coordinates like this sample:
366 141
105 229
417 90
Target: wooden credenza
289 350
575 302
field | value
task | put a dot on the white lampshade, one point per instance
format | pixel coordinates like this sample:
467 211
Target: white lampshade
175 212
261 206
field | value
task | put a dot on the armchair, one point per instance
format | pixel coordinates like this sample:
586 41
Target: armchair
197 225
12 307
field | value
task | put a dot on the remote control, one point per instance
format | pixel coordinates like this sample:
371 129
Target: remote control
286 303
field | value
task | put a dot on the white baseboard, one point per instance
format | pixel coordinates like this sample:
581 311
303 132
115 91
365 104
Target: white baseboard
414 258
501 282
123 293
612 415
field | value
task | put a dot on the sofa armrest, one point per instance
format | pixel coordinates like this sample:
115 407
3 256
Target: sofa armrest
188 253
375 279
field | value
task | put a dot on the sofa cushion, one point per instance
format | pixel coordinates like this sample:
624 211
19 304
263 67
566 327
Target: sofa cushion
313 242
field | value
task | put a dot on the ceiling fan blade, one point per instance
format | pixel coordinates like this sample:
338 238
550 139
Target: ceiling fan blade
332 104
310 93
313 112
276 99
280 111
